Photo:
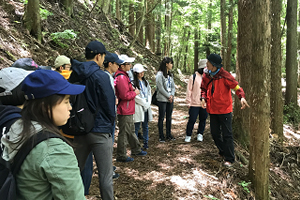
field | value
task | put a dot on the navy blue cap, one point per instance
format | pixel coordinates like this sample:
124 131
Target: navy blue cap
112 57
43 83
215 60
95 47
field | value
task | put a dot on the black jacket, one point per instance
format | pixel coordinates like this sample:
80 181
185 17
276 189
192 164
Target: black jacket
99 93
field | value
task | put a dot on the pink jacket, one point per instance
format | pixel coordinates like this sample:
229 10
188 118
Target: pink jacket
124 93
193 92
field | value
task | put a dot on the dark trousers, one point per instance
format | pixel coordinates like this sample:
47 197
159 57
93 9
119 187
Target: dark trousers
87 173
221 130
164 108
194 112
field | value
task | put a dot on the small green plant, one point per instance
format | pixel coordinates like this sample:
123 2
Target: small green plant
68 34
24 1
211 197
45 13
244 184
291 114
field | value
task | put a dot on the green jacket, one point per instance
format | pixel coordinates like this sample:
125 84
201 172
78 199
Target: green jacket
50 171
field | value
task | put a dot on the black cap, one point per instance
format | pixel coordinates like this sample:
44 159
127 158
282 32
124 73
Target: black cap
215 60
95 47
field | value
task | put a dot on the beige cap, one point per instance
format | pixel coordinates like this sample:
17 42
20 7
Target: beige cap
202 63
61 60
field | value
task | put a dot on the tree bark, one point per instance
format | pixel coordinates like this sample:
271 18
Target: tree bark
149 34
196 49
276 94
105 6
139 26
291 53
32 19
167 27
118 10
260 108
131 19
241 118
223 31
158 31
229 39
186 51
68 6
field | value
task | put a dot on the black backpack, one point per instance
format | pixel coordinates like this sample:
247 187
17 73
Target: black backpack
82 119
8 170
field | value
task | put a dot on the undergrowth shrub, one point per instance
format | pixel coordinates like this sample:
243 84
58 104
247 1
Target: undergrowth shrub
61 37
291 114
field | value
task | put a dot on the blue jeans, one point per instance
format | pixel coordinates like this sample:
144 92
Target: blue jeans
221 131
194 112
87 173
145 128
164 108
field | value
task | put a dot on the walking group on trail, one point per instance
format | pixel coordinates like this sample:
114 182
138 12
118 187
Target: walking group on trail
53 122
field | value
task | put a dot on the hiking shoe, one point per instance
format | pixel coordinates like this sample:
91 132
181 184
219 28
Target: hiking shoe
162 140
142 153
171 138
188 138
114 168
115 175
227 164
200 137
128 159
146 146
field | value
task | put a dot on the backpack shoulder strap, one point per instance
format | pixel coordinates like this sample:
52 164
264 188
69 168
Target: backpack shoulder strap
28 146
194 77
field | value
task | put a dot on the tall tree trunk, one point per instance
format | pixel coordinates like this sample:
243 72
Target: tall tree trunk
196 49
241 118
139 30
105 6
186 51
32 19
118 10
209 15
260 109
291 53
298 49
183 39
167 27
276 94
158 31
229 39
140 26
223 30
131 19
149 27
68 6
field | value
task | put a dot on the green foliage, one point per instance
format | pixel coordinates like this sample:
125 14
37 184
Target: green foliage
211 197
291 114
24 1
60 37
44 13
244 184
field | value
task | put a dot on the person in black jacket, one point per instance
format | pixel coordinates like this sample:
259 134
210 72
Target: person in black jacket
101 99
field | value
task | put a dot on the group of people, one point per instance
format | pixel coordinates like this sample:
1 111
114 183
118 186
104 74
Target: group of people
36 100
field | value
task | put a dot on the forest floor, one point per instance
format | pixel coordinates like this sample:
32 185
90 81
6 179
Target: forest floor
171 170
180 170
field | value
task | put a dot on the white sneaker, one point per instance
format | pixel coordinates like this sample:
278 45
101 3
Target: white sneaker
188 138
200 137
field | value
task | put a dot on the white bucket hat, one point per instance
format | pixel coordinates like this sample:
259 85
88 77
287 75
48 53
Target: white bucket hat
126 58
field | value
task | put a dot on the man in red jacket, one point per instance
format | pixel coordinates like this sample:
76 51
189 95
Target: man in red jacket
126 108
216 98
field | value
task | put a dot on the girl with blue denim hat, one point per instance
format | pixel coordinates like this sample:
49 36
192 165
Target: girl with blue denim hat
143 112
50 170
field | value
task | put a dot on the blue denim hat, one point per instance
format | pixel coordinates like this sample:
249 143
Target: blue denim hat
43 83
112 57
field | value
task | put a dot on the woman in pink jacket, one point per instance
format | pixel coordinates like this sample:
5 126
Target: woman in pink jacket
193 95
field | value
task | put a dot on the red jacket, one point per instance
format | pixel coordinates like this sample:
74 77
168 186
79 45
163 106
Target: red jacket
216 91
124 93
